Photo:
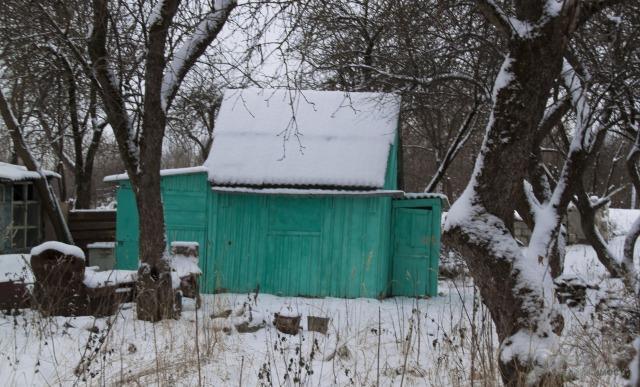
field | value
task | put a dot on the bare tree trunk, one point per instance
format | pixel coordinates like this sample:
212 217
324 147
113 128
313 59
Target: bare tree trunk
84 188
142 155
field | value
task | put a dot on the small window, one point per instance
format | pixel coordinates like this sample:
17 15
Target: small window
33 214
33 236
18 192
30 192
2 189
25 217
19 219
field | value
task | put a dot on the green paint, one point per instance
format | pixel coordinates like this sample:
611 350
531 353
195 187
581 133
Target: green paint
126 228
185 213
412 245
297 245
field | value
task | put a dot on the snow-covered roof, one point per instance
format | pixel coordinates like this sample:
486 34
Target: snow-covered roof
303 138
163 172
12 172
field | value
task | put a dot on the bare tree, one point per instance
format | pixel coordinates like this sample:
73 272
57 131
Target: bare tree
164 63
516 285
192 119
66 113
49 200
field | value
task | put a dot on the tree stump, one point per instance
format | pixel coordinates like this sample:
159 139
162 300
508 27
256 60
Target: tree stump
184 262
155 296
58 288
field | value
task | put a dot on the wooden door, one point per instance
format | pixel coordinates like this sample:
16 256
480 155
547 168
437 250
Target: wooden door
412 247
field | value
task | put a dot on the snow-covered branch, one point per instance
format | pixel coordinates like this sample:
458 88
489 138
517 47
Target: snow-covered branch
112 98
496 16
194 46
55 143
425 82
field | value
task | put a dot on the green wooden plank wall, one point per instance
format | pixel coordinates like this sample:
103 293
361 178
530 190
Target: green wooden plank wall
185 211
313 246
292 245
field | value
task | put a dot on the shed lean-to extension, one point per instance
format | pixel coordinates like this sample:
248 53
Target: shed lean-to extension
298 197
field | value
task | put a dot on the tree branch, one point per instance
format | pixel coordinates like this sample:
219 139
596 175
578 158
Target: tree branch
496 16
185 57
112 98
425 82
464 132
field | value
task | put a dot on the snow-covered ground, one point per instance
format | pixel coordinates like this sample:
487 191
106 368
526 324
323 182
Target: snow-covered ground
366 338
396 341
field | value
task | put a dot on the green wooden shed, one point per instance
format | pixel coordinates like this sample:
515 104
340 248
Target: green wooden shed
298 197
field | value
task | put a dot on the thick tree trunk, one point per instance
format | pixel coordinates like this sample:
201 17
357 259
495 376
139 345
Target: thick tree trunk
155 294
83 191
142 155
155 298
513 285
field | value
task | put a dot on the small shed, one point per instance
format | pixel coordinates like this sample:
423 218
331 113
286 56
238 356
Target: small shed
22 221
299 197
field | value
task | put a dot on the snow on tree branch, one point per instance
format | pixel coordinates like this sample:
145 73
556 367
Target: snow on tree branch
194 46
454 76
496 16
112 98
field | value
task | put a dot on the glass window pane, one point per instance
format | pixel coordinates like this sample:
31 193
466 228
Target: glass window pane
33 214
2 193
32 237
18 238
18 193
30 192
18 215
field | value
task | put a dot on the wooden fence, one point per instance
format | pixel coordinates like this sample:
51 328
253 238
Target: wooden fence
88 226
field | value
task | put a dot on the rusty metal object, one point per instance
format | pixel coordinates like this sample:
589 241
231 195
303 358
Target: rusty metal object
59 288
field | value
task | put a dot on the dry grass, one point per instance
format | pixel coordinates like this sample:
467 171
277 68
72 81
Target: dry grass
447 341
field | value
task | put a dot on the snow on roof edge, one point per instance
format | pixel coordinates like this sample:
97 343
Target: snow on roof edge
14 172
163 172
306 191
